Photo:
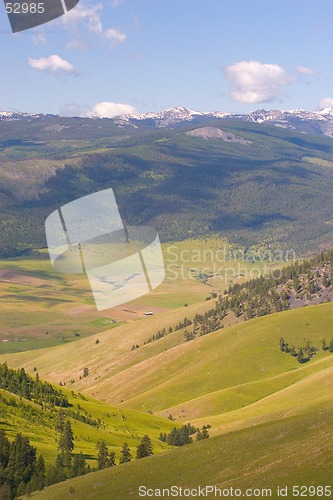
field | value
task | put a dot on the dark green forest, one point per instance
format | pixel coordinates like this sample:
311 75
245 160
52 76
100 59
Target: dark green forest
265 189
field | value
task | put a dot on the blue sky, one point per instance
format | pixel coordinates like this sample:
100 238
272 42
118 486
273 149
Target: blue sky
113 56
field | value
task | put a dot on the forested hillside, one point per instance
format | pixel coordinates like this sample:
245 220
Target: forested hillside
267 183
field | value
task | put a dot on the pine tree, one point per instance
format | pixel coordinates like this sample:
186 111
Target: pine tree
66 441
112 459
56 472
60 421
40 473
300 356
103 453
204 433
145 448
79 467
125 454
21 464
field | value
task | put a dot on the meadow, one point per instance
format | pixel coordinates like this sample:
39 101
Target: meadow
42 308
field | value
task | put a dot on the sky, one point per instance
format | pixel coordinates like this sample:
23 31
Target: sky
111 57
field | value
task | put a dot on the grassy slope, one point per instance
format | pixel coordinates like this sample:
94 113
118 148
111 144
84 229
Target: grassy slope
259 457
205 379
267 411
163 374
66 362
118 426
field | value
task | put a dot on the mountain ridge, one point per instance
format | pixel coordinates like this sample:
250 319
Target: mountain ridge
319 122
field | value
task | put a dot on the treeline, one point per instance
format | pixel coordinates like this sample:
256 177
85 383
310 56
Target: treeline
21 472
181 436
20 383
261 296
162 333
304 353
42 393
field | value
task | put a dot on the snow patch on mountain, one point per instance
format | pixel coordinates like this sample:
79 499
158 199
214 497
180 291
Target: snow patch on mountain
313 122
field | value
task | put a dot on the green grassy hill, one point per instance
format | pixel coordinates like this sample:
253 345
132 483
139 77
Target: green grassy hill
206 379
266 410
209 376
296 450
18 415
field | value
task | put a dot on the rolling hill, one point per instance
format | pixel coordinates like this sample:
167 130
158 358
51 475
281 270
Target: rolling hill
270 413
256 460
91 420
263 385
227 376
264 407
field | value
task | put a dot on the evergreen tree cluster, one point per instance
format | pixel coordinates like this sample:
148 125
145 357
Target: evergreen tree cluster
181 436
20 470
66 466
81 415
20 383
304 353
327 346
163 333
13 406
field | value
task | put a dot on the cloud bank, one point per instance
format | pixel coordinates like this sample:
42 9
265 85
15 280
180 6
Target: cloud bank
110 109
254 82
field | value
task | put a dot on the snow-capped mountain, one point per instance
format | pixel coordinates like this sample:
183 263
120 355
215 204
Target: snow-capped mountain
313 122
316 122
16 116
172 116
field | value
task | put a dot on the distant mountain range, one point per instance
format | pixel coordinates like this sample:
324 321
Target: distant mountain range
312 122
261 178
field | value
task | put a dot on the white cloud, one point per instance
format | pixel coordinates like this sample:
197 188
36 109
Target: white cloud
253 82
326 103
89 17
303 70
115 36
110 109
52 64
